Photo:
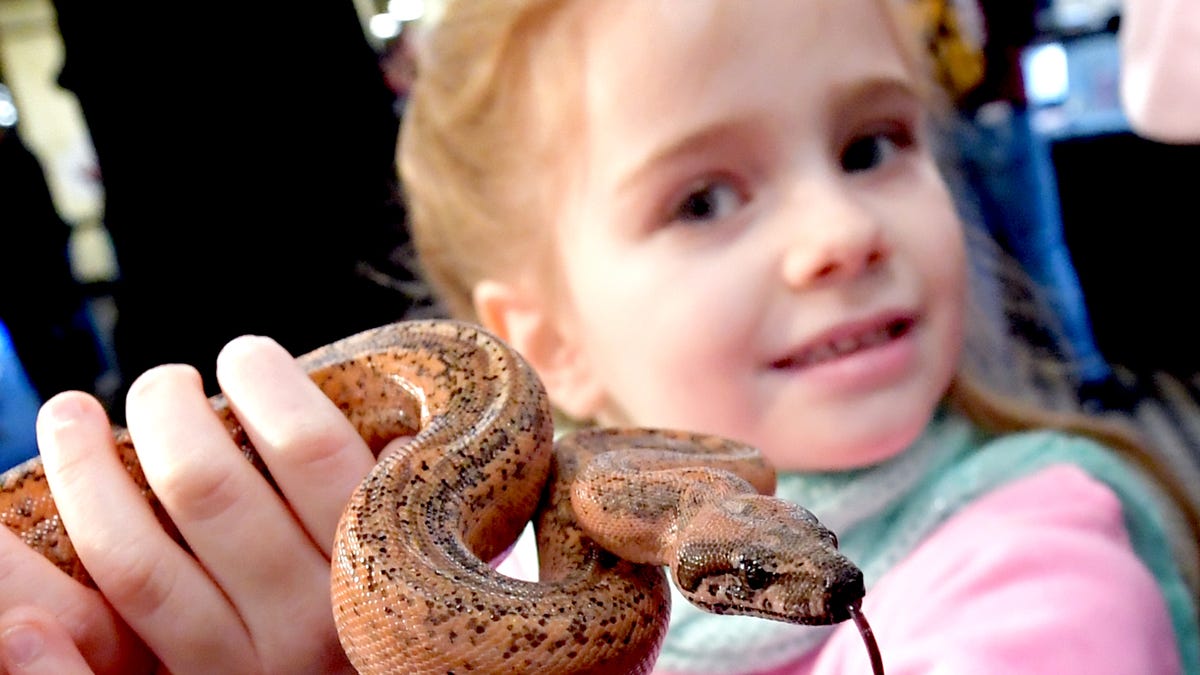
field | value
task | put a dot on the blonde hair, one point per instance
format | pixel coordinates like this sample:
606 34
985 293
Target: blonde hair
481 123
476 142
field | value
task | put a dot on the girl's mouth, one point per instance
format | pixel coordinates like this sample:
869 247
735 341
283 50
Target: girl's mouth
844 345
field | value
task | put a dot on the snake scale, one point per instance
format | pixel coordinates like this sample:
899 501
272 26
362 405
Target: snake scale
412 590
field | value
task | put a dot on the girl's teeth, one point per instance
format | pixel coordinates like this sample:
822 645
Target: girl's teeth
845 345
877 338
822 353
848 345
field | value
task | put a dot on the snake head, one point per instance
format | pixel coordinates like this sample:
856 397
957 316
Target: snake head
765 557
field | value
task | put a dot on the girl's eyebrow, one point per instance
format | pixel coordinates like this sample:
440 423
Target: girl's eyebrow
875 90
703 138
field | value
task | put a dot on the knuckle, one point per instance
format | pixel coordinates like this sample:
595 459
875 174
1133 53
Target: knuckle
139 585
198 492
314 442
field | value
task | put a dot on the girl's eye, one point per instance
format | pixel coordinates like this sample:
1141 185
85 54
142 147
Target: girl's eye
868 152
710 200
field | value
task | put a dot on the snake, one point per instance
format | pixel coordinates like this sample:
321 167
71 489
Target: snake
616 512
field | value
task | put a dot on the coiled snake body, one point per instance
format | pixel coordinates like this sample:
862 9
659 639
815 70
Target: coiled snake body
411 586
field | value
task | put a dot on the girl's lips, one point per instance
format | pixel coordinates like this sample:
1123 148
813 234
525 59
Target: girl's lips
846 340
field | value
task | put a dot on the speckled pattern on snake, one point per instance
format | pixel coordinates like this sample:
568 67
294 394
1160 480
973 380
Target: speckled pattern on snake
412 589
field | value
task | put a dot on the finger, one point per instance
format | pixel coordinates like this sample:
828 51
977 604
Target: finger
315 455
33 642
235 523
27 578
159 590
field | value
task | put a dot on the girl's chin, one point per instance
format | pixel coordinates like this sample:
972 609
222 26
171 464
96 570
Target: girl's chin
844 452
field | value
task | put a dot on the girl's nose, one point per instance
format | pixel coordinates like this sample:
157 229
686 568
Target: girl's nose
836 240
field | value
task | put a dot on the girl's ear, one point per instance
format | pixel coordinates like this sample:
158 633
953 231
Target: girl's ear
528 325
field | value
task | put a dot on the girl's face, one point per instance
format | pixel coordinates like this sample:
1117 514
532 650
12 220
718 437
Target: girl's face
756 241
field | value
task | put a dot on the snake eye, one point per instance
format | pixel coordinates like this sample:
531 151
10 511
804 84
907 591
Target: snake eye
754 574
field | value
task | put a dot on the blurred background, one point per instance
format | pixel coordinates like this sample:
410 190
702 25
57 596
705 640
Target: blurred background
174 176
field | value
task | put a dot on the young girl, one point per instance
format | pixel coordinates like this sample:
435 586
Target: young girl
728 218
710 215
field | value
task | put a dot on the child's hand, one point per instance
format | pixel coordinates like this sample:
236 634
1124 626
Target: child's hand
253 592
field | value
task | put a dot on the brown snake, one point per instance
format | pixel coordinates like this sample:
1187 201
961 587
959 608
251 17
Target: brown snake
412 591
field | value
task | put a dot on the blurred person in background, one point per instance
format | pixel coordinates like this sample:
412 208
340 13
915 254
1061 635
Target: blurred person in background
246 153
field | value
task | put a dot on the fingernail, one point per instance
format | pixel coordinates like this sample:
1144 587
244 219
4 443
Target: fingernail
22 644
62 411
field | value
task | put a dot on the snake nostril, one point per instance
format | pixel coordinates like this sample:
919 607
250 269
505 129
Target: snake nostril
844 588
